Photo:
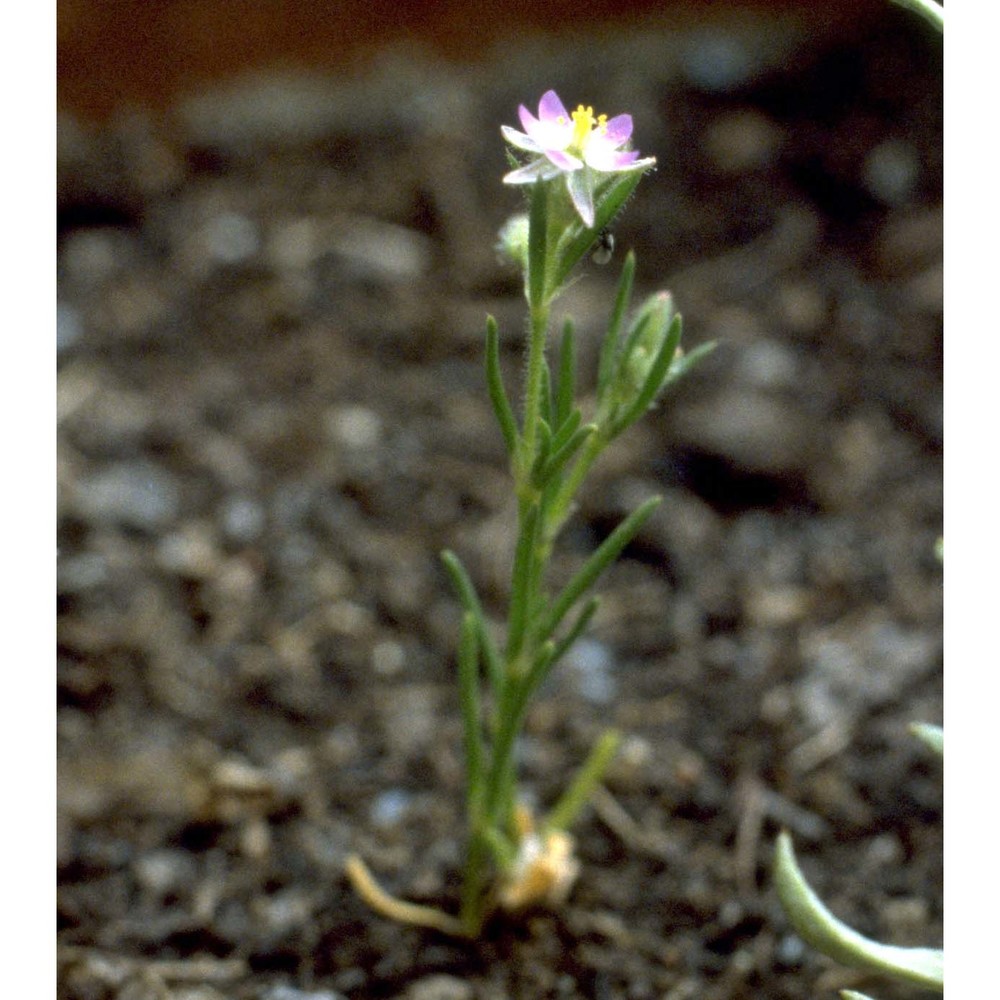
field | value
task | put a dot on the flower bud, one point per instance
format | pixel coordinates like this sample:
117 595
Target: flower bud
512 241
644 342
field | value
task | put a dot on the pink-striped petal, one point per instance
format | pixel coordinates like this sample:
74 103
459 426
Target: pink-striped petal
550 134
618 130
528 120
605 158
551 109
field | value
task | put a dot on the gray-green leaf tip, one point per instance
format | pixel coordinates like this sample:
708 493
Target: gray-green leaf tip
817 926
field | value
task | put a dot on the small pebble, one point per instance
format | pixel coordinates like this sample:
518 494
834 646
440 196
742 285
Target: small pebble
741 141
388 658
284 992
355 427
163 871
716 61
243 519
135 495
389 807
591 662
69 326
295 244
190 552
230 238
440 987
891 171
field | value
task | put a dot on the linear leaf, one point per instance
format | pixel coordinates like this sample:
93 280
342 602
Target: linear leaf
610 344
498 395
601 558
466 591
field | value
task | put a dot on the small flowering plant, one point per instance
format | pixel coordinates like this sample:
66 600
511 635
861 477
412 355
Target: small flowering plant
579 173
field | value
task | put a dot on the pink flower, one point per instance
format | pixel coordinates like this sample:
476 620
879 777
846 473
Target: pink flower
577 145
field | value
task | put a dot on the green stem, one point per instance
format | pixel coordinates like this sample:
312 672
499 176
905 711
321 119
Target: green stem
534 384
562 503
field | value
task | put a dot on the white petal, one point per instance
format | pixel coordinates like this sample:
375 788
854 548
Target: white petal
538 170
519 139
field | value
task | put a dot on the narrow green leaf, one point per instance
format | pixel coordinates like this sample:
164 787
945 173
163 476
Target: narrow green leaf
567 429
566 389
498 395
542 455
587 778
500 782
504 851
546 394
610 344
579 627
817 926
463 585
544 661
600 559
558 458
682 365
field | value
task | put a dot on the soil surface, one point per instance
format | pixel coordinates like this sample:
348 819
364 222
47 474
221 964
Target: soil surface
272 418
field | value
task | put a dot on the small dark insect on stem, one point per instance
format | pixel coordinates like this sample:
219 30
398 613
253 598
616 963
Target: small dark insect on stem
604 248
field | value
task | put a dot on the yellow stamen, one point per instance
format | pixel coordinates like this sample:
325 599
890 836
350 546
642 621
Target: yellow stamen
583 125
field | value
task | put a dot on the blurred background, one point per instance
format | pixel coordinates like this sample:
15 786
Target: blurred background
276 250
123 53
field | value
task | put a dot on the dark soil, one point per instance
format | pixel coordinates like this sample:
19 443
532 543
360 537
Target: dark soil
272 417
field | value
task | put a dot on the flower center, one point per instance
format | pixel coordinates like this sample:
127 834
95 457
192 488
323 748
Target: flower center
584 125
